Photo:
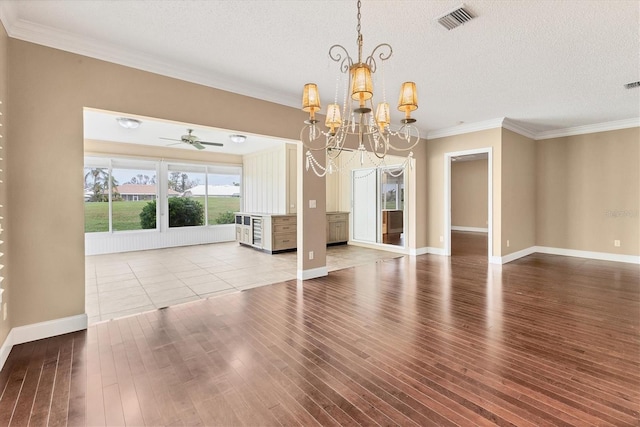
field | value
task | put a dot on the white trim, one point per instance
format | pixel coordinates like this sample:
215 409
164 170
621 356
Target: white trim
513 256
381 246
604 256
1 292
597 127
473 229
312 273
38 331
519 129
466 128
447 197
436 251
50 328
92 48
506 123
5 349
419 251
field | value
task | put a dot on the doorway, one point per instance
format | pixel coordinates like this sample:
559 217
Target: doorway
471 228
378 205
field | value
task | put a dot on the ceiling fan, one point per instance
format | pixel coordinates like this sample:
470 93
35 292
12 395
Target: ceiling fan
193 140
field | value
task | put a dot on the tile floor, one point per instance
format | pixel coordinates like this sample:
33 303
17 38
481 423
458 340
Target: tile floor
134 282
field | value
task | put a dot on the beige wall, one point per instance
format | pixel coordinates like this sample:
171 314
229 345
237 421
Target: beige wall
5 325
518 192
469 194
436 149
588 190
49 89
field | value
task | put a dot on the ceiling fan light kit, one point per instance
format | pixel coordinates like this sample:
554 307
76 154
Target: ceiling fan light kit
128 122
238 139
355 116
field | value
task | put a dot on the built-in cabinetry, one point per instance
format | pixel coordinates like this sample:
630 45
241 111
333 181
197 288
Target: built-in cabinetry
337 227
278 233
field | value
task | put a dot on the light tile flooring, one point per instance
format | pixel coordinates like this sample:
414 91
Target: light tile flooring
122 284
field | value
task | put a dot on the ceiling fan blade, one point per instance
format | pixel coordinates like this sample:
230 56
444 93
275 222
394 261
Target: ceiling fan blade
197 145
170 139
216 144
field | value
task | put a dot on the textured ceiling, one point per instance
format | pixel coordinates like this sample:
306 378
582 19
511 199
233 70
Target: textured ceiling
545 65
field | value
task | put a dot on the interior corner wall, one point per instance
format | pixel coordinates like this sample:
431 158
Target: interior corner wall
48 90
469 194
5 325
518 192
436 149
588 191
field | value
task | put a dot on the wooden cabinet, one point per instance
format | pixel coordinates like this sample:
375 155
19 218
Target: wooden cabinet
243 229
279 233
337 227
271 233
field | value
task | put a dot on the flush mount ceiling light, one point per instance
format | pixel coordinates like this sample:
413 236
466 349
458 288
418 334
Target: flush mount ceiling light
238 139
128 122
356 117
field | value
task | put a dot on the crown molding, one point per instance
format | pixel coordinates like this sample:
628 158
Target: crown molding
597 127
69 42
8 15
466 128
520 130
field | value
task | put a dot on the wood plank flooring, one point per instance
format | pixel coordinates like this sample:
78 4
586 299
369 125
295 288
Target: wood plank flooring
428 340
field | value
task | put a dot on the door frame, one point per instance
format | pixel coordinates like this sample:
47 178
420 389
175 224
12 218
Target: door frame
447 197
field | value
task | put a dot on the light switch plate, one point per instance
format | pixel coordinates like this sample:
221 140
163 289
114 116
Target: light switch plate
312 204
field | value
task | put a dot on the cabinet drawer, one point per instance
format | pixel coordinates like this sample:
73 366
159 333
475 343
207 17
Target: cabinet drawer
284 228
283 220
284 241
337 217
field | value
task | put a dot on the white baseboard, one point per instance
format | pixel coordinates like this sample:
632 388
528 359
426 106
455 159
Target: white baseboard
474 229
312 273
380 247
38 331
435 251
513 256
5 349
604 256
419 251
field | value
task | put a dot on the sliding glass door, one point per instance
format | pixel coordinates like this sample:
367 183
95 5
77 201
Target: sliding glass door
378 205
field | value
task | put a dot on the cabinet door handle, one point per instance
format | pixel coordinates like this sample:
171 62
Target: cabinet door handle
285 241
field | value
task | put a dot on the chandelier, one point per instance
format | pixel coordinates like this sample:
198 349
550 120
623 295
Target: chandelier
373 132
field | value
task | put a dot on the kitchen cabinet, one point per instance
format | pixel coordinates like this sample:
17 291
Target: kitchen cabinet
337 227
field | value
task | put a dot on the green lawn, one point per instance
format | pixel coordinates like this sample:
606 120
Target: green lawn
126 215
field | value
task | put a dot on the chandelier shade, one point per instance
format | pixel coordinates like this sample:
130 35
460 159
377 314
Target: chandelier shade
361 83
374 134
333 120
311 99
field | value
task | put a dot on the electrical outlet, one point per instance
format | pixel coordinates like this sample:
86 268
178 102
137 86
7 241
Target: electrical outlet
312 204
310 254
507 243
441 238
616 243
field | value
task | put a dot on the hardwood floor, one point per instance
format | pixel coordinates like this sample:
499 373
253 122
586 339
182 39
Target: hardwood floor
428 340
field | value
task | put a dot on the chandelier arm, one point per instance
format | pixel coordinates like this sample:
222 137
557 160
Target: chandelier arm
385 53
336 54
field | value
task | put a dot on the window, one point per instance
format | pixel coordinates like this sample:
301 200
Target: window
223 193
122 194
134 190
186 192
96 199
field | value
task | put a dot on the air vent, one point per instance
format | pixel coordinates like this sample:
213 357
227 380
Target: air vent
632 85
455 18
